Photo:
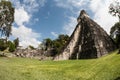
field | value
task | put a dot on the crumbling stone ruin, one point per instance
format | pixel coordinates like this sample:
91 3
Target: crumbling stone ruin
28 53
33 53
87 41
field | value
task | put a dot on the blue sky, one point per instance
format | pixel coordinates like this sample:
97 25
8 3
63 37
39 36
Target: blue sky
36 20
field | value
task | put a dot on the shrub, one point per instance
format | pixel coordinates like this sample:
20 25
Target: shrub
11 47
3 45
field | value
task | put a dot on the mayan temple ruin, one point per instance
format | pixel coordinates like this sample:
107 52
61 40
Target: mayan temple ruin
87 41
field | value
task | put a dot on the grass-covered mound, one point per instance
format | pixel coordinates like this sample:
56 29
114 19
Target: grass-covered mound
105 68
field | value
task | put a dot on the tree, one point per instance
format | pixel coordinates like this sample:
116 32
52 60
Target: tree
6 17
3 45
55 46
11 46
59 43
115 33
16 42
114 9
63 38
31 47
41 46
47 43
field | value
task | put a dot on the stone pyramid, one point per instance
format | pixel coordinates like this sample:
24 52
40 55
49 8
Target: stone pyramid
87 41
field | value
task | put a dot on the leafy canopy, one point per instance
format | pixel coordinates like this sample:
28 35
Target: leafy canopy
114 9
6 17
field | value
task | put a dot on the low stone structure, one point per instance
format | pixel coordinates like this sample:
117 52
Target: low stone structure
87 41
33 53
29 53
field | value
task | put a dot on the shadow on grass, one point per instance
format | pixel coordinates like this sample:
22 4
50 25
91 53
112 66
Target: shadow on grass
118 78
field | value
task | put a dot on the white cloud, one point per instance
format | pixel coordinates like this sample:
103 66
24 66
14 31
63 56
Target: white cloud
21 16
95 5
30 6
70 25
23 13
26 35
74 7
33 5
54 34
71 4
98 7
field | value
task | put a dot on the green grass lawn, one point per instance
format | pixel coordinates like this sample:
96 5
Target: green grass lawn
104 68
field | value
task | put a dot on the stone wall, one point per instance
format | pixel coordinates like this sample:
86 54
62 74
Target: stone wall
29 53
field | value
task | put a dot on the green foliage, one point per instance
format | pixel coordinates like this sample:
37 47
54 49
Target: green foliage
115 27
41 46
31 47
115 31
47 43
6 17
114 9
11 46
57 44
3 45
104 68
16 42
